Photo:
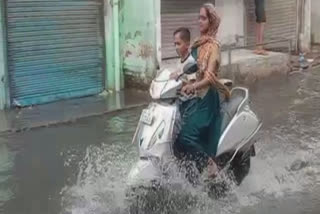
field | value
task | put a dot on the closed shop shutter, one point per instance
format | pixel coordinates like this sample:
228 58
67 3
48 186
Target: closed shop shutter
55 49
281 20
175 14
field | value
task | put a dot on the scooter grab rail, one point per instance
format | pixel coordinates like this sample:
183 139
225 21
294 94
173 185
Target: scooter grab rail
245 98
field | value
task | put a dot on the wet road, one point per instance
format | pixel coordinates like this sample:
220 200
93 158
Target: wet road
81 167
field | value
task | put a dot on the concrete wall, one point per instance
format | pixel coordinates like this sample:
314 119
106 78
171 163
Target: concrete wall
4 92
315 21
232 13
138 45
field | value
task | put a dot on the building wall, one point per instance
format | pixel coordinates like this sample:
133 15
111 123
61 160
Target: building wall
4 92
315 22
140 35
109 41
232 13
139 47
138 40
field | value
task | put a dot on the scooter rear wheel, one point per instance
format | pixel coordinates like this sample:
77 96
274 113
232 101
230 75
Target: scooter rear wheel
241 164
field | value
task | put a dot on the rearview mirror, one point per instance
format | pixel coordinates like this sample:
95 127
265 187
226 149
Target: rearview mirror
226 82
190 68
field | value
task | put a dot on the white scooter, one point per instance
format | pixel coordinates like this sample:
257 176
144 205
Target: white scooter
157 130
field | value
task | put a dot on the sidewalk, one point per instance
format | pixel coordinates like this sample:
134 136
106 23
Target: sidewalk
16 120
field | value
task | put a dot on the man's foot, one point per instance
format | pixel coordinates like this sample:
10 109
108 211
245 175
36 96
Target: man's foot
260 51
263 52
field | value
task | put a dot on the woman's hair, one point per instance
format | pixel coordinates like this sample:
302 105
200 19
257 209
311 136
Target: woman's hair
214 19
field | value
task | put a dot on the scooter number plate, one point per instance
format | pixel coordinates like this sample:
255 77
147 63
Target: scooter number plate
146 117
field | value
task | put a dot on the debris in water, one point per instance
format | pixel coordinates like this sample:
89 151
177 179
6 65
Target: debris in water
298 165
104 93
310 60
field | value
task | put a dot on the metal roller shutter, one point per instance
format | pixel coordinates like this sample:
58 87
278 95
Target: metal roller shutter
281 20
55 49
175 14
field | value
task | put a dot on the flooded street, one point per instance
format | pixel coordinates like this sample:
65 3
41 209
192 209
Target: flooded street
81 167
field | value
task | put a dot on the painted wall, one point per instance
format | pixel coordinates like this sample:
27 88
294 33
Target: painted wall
232 13
138 45
4 93
315 21
108 32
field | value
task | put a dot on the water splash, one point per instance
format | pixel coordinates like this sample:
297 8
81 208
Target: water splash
100 186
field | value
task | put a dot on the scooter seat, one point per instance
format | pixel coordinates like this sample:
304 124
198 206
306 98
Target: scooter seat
229 109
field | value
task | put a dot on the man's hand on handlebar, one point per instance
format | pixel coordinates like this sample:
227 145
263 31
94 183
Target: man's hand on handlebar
174 75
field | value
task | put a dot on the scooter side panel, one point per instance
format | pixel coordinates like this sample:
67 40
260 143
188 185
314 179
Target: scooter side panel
240 129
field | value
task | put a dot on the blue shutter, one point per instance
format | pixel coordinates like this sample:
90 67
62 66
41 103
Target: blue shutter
55 49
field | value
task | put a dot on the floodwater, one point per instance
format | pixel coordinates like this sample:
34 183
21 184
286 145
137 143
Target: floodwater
81 167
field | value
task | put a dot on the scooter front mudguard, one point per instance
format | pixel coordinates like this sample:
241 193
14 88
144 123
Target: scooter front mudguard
144 172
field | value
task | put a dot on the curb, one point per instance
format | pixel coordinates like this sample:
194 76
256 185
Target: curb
70 120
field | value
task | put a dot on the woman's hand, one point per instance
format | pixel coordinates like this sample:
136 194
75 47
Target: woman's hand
188 89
